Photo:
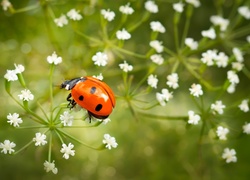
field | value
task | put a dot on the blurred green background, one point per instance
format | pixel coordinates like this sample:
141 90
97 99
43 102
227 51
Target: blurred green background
150 148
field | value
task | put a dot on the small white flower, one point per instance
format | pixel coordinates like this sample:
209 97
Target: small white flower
222 133
108 15
54 59
126 67
231 88
153 81
67 150
50 167
61 21
172 80
229 155
208 57
238 66
218 107
238 54
178 7
100 77
157 26
105 121
66 118
157 45
195 3
193 118
19 68
193 45
74 15
14 119
210 33
126 9
123 34
221 60
109 141
151 7
100 59
40 139
246 128
11 75
6 4
196 90
244 11
233 77
244 105
220 21
7 147
164 96
26 95
157 59
248 39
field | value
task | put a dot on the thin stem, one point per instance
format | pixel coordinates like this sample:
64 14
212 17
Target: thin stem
24 147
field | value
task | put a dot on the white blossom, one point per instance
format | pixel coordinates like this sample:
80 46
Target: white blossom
164 96
14 119
7 147
40 139
67 150
108 15
218 107
195 3
123 34
244 11
109 141
238 54
151 7
220 21
246 128
193 45
178 7
157 45
229 155
66 118
126 67
196 90
222 133
210 33
26 95
152 81
157 26
157 59
61 21
74 15
50 166
126 9
172 80
54 59
193 118
244 105
100 59
233 77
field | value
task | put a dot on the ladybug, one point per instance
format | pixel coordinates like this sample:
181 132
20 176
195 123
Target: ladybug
91 94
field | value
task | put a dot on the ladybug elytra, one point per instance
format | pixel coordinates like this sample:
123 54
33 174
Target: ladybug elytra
91 94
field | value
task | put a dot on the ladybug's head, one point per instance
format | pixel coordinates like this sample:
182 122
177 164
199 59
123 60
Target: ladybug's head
65 85
69 84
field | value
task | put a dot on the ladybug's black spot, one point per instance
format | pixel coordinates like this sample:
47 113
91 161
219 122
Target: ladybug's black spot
93 90
98 107
81 98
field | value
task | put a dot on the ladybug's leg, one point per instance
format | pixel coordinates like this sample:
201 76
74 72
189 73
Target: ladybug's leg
72 103
90 116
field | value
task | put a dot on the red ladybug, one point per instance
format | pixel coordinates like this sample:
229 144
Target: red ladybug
91 94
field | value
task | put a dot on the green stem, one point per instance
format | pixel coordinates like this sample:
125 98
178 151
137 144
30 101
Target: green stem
161 117
24 147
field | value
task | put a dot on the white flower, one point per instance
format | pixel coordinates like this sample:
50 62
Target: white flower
157 26
244 105
172 80
238 54
178 7
126 9
233 77
123 34
105 121
100 59
195 3
244 11
248 39
157 59
152 81
100 77
74 15
238 66
7 146
196 90
26 95
164 96
11 75
109 141
19 68
67 150
218 107
229 155
231 88
193 45
222 133
40 139
246 128
61 21
126 67
50 167
220 21
208 57
210 33
54 59
66 118
6 4
157 45
221 60
151 7
108 15
14 119
193 118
